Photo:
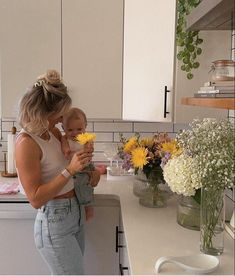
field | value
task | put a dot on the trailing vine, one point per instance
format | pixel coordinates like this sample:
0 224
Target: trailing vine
188 41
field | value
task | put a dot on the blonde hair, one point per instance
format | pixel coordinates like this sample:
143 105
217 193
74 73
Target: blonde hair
46 97
73 114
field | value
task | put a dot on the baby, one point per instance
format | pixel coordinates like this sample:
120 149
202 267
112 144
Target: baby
74 123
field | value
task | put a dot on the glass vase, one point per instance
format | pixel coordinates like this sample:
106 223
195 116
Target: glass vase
212 221
140 183
154 196
188 213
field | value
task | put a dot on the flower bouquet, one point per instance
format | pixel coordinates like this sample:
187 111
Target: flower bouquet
147 156
206 164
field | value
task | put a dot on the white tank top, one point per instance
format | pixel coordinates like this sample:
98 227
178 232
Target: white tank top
52 162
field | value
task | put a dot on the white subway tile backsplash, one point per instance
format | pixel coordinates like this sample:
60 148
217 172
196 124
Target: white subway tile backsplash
178 127
231 113
99 156
153 127
104 136
127 135
113 126
7 125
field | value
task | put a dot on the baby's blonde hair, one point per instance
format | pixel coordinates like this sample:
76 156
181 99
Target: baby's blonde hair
46 97
73 114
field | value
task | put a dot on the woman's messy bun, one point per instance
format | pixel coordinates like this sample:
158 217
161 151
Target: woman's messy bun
51 77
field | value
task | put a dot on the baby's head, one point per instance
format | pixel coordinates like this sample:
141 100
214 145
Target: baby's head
74 122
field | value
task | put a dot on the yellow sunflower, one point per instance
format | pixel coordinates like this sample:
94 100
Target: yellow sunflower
139 157
130 145
172 148
85 138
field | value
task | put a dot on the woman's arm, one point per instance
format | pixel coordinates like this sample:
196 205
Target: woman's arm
28 155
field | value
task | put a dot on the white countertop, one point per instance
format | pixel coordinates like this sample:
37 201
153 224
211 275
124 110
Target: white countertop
152 232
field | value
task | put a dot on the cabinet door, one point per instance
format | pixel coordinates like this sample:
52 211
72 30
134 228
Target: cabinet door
30 39
149 38
92 55
101 256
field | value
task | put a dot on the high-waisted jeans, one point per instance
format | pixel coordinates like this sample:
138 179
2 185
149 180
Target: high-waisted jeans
59 236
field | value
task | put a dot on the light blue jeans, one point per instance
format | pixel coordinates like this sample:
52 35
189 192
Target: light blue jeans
59 236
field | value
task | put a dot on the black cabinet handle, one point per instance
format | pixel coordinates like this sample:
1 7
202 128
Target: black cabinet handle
122 268
117 239
165 101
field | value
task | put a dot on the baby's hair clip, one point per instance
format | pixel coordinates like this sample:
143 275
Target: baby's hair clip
38 83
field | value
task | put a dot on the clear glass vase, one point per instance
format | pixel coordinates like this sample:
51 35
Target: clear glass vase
212 221
188 213
154 196
140 183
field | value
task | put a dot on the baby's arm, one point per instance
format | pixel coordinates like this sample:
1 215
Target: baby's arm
65 147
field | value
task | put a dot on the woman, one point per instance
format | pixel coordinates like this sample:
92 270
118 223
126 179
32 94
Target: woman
46 175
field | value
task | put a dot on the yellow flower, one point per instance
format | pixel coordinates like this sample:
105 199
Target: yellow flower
85 138
139 157
172 148
146 142
130 145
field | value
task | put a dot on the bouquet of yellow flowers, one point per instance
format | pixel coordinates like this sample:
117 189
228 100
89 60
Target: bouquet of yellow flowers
148 154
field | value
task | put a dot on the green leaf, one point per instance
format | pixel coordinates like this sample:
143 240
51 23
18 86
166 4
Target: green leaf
199 51
180 55
189 76
196 65
187 68
191 48
199 41
185 60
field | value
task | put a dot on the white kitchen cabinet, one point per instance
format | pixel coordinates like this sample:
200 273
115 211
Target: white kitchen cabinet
17 241
101 251
148 59
30 43
92 35
18 254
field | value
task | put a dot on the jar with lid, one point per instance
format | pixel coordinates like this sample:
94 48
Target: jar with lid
223 70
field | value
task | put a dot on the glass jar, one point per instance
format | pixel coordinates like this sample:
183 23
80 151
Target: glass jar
140 183
188 213
212 221
223 70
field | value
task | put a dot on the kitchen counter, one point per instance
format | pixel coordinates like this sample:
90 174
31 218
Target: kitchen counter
150 232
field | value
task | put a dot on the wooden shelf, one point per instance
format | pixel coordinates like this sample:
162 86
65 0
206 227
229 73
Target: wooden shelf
212 15
225 103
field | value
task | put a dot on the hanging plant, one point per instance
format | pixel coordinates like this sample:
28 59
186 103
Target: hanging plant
188 41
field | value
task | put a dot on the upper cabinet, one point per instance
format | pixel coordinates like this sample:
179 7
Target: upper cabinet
148 59
92 36
30 43
212 15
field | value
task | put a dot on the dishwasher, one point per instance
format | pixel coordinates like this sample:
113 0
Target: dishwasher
18 254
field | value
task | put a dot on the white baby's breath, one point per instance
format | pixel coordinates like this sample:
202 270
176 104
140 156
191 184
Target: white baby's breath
211 144
180 173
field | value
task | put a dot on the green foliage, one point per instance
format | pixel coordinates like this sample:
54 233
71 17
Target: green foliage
188 41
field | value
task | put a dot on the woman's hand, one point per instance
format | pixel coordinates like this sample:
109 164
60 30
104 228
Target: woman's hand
80 160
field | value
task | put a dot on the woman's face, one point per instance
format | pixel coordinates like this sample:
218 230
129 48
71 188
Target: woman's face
54 119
